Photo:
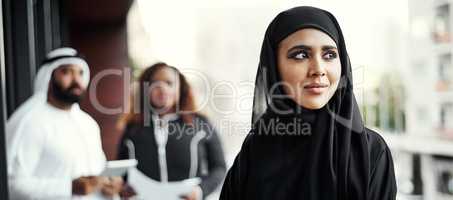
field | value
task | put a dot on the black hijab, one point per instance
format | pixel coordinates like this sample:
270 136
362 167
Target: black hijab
333 161
283 25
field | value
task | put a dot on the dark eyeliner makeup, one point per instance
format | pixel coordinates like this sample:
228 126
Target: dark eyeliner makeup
332 53
293 54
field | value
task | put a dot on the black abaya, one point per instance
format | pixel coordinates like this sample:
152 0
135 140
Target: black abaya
308 154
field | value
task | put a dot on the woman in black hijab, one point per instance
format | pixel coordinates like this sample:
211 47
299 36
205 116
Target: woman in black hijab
308 140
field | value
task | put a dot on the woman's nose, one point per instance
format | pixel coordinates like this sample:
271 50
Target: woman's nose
317 68
319 74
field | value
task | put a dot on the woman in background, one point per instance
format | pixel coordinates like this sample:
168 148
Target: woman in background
172 141
308 140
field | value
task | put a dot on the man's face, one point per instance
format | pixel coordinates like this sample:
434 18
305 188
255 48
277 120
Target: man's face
66 83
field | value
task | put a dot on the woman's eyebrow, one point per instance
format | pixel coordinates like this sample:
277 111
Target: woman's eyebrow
328 47
309 48
300 46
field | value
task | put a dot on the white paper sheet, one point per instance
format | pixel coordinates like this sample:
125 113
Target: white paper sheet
147 188
118 167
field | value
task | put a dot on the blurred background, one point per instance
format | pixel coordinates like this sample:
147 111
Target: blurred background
401 53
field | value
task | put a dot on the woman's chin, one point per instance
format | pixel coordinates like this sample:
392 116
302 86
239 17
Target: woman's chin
161 108
315 104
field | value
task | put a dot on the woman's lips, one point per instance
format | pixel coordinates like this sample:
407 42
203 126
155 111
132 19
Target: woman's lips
316 88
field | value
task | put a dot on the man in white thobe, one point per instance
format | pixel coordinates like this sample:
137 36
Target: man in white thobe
53 147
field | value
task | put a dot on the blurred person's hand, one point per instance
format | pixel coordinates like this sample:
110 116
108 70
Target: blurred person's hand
127 192
112 186
86 185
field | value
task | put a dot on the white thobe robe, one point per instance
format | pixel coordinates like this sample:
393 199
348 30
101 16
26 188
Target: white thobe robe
55 147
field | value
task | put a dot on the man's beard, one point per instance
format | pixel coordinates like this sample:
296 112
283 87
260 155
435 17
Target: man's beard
65 95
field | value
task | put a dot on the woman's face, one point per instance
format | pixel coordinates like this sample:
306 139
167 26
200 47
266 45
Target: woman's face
310 67
164 89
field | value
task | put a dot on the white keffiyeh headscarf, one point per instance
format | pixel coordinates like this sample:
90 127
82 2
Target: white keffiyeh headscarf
54 59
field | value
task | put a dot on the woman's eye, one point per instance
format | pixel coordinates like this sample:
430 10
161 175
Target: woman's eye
330 55
299 55
169 83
